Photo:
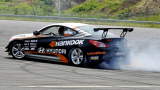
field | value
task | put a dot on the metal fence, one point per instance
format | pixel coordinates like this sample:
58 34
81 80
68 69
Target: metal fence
78 18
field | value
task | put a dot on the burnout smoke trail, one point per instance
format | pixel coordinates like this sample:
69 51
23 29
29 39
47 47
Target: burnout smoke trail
144 56
144 53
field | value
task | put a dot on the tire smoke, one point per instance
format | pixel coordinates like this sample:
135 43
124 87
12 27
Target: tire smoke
143 56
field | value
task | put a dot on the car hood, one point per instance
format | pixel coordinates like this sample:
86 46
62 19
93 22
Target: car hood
22 36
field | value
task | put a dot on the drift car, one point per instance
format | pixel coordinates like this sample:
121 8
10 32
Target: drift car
72 43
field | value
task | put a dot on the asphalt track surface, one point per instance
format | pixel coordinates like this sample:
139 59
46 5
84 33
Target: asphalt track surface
43 75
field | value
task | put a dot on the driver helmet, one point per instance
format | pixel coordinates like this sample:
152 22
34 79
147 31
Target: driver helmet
68 32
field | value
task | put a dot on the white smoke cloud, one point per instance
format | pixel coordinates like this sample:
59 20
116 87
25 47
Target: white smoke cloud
144 56
144 53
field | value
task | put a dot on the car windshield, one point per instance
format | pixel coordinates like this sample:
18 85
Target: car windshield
89 29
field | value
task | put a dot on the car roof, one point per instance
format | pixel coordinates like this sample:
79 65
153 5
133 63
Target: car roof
71 25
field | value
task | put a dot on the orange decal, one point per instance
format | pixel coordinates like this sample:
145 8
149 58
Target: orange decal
52 44
96 53
61 57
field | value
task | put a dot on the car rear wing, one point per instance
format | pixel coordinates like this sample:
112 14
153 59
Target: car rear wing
105 31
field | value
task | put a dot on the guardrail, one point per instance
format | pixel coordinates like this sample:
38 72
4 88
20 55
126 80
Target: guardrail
78 18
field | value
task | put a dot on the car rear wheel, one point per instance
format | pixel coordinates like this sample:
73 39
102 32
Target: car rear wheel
76 56
17 50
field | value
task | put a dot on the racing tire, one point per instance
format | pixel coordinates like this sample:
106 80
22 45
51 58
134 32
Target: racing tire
76 57
17 50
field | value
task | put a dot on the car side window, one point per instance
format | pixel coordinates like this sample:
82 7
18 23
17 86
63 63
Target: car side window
51 30
59 31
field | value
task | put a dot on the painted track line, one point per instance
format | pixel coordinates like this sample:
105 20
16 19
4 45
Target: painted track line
47 86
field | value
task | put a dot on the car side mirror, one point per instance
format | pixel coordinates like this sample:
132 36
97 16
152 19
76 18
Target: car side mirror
36 33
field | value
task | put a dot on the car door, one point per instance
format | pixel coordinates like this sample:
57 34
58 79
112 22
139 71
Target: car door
55 45
56 35
43 43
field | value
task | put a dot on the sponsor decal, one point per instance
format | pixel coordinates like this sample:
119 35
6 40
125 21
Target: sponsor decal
48 50
30 44
31 41
52 44
66 43
41 50
60 51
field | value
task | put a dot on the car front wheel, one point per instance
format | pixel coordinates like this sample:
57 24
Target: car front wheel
17 50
